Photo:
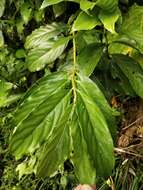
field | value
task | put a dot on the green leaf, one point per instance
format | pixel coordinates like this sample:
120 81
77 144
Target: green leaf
59 9
2 7
38 57
39 37
132 71
107 5
109 19
89 58
1 39
35 117
132 25
85 22
57 149
47 3
86 5
26 12
82 160
49 121
119 48
93 91
95 131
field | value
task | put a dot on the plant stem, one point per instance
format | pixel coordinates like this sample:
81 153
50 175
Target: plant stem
74 70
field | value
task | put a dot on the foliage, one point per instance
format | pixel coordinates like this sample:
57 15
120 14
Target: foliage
60 64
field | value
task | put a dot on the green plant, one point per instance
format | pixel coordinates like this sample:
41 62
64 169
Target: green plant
82 51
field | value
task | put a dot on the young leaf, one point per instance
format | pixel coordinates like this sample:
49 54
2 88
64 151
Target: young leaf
85 22
109 19
89 58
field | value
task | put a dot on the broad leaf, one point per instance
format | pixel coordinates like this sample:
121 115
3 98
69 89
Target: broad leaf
93 91
37 113
38 57
57 149
85 22
2 7
95 131
39 37
48 119
82 160
132 71
89 58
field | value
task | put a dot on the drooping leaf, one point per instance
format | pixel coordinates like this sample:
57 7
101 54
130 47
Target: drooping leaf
132 25
85 22
2 7
89 58
82 160
57 149
46 115
35 118
38 57
132 71
93 91
95 132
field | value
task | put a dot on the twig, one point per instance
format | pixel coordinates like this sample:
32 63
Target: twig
127 152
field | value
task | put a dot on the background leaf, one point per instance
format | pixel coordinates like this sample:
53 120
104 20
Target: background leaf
2 7
132 25
132 70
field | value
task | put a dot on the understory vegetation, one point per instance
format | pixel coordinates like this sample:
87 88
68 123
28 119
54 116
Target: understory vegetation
71 89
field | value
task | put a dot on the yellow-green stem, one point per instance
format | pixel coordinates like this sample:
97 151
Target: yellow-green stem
74 70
